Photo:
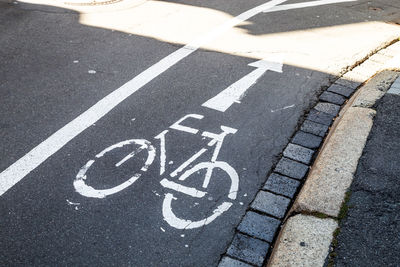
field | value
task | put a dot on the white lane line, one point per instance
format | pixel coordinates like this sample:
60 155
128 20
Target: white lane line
19 169
305 4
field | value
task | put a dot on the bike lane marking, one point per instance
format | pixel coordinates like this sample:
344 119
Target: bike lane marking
30 161
169 216
85 190
22 167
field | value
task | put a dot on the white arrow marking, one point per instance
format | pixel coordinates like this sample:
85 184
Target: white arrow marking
235 92
30 161
305 4
22 167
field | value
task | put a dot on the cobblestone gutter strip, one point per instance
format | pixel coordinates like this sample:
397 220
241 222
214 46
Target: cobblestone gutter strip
306 237
308 228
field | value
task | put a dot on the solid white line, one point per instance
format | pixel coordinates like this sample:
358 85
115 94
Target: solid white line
18 170
305 4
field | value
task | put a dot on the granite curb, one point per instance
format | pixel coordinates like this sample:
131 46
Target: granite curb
275 207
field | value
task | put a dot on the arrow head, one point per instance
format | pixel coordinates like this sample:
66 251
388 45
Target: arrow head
268 64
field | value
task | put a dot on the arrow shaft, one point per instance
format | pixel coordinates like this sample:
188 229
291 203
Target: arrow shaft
305 4
235 92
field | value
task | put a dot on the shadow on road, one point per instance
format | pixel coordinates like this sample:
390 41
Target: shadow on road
57 63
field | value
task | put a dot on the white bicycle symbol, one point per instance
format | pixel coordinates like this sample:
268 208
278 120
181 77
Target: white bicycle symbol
169 216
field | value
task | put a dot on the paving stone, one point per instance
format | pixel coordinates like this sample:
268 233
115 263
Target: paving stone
291 168
341 90
298 153
375 89
395 86
394 91
260 226
329 108
396 83
314 128
355 76
367 69
271 204
320 117
353 84
248 249
394 63
386 53
380 58
281 185
307 140
394 48
229 262
332 98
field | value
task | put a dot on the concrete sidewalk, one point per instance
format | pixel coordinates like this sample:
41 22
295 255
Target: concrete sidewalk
347 211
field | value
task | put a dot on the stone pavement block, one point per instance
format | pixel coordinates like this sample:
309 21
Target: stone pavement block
380 58
248 249
314 128
304 241
320 117
260 226
350 83
368 68
333 171
395 86
386 53
271 204
332 98
291 168
396 83
281 185
329 108
394 63
298 153
394 91
341 90
229 262
354 76
307 140
394 48
375 89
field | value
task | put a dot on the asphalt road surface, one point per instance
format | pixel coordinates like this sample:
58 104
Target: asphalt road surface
122 146
370 233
